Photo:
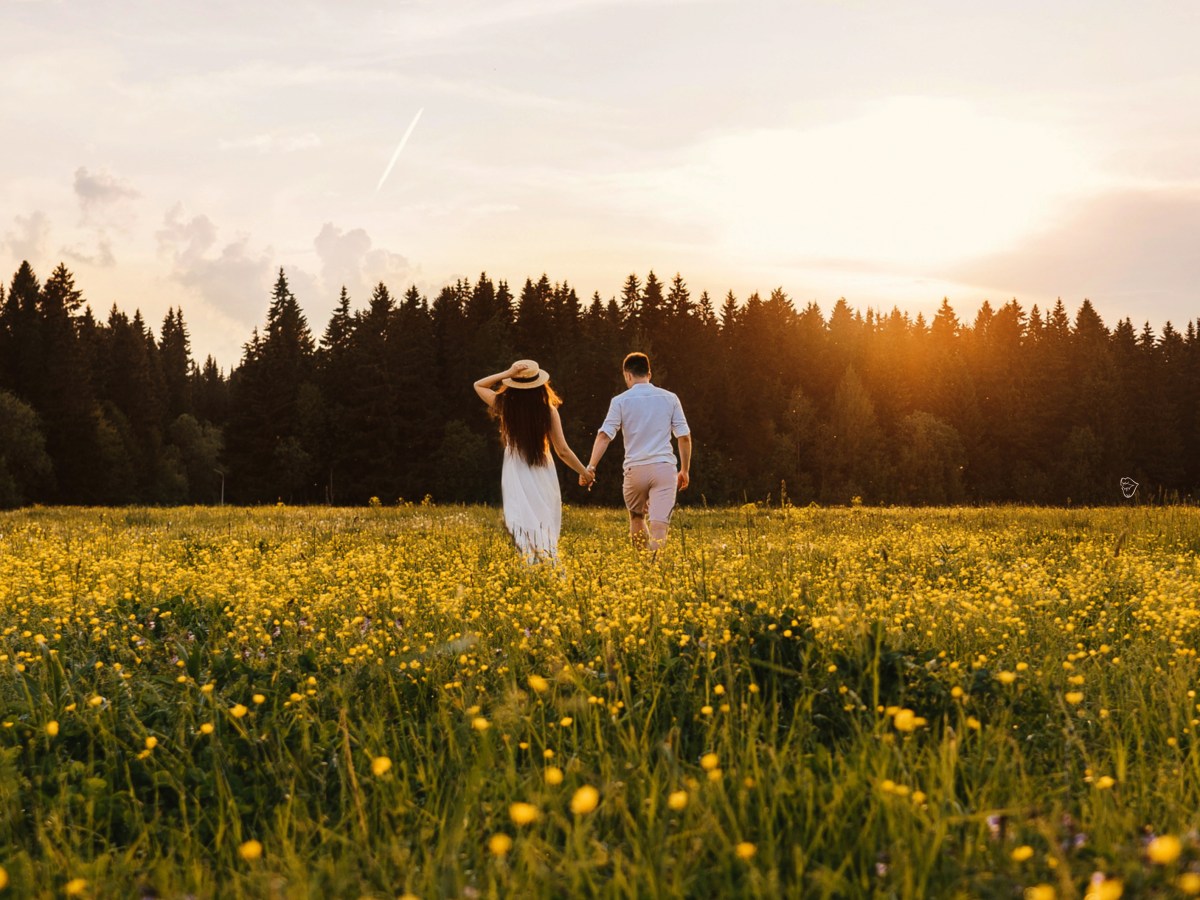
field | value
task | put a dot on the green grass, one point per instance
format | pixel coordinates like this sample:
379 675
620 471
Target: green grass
782 641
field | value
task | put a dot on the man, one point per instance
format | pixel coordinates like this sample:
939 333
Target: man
649 416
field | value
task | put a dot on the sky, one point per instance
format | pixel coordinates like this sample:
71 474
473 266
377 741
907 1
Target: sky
892 153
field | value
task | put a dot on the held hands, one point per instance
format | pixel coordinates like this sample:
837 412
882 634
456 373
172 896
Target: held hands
587 478
682 481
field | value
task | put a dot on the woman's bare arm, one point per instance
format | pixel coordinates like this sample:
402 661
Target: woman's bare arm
559 441
484 386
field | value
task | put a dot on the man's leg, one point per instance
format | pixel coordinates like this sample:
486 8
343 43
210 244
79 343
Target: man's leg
660 503
637 531
635 489
658 535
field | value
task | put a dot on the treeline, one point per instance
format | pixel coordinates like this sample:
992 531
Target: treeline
1028 406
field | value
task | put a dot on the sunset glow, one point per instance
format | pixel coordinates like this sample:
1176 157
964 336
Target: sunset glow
889 154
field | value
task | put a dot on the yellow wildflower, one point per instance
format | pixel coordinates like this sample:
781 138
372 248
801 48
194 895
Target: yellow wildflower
1164 849
745 850
585 800
523 813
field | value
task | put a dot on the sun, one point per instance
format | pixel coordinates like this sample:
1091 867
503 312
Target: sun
911 182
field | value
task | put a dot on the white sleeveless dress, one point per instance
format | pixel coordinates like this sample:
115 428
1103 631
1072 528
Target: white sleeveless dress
532 505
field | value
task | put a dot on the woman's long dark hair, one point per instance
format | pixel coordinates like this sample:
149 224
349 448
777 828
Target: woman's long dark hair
524 415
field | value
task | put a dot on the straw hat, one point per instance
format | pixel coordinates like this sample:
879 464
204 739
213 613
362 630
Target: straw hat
533 375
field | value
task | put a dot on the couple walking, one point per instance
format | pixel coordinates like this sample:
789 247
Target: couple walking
527 409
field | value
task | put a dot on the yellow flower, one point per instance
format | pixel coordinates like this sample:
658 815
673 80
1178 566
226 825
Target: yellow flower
1164 850
52 728
907 720
553 775
1022 853
523 813
75 887
3 878
151 742
479 723
1006 677
709 761
745 850
499 844
973 723
380 766
1104 782
259 699
566 721
206 728
1040 892
1105 889
539 684
1074 696
250 850
585 800
677 800
95 701
238 711
1189 883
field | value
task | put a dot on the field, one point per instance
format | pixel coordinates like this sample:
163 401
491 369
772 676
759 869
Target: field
382 702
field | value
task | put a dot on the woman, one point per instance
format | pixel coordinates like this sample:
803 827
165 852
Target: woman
527 408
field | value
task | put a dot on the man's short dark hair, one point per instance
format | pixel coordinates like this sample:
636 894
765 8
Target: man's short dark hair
637 365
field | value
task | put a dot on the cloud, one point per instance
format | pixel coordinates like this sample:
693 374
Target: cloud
104 206
234 279
349 258
1129 251
27 241
103 257
101 194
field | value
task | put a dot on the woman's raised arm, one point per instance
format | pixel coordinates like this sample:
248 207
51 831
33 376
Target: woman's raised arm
484 386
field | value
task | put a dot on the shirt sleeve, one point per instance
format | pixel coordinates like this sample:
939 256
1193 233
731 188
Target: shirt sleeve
612 422
679 425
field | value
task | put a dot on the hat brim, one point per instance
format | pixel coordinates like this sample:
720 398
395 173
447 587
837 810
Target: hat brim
542 377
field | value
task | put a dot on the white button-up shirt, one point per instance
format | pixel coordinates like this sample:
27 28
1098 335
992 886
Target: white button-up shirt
649 416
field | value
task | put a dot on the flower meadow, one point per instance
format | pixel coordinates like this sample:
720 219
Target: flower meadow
386 702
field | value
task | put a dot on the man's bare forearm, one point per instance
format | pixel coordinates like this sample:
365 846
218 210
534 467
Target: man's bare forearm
598 448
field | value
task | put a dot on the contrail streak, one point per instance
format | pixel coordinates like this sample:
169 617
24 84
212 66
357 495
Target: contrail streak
399 147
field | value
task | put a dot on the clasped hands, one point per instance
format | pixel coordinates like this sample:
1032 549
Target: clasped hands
588 478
